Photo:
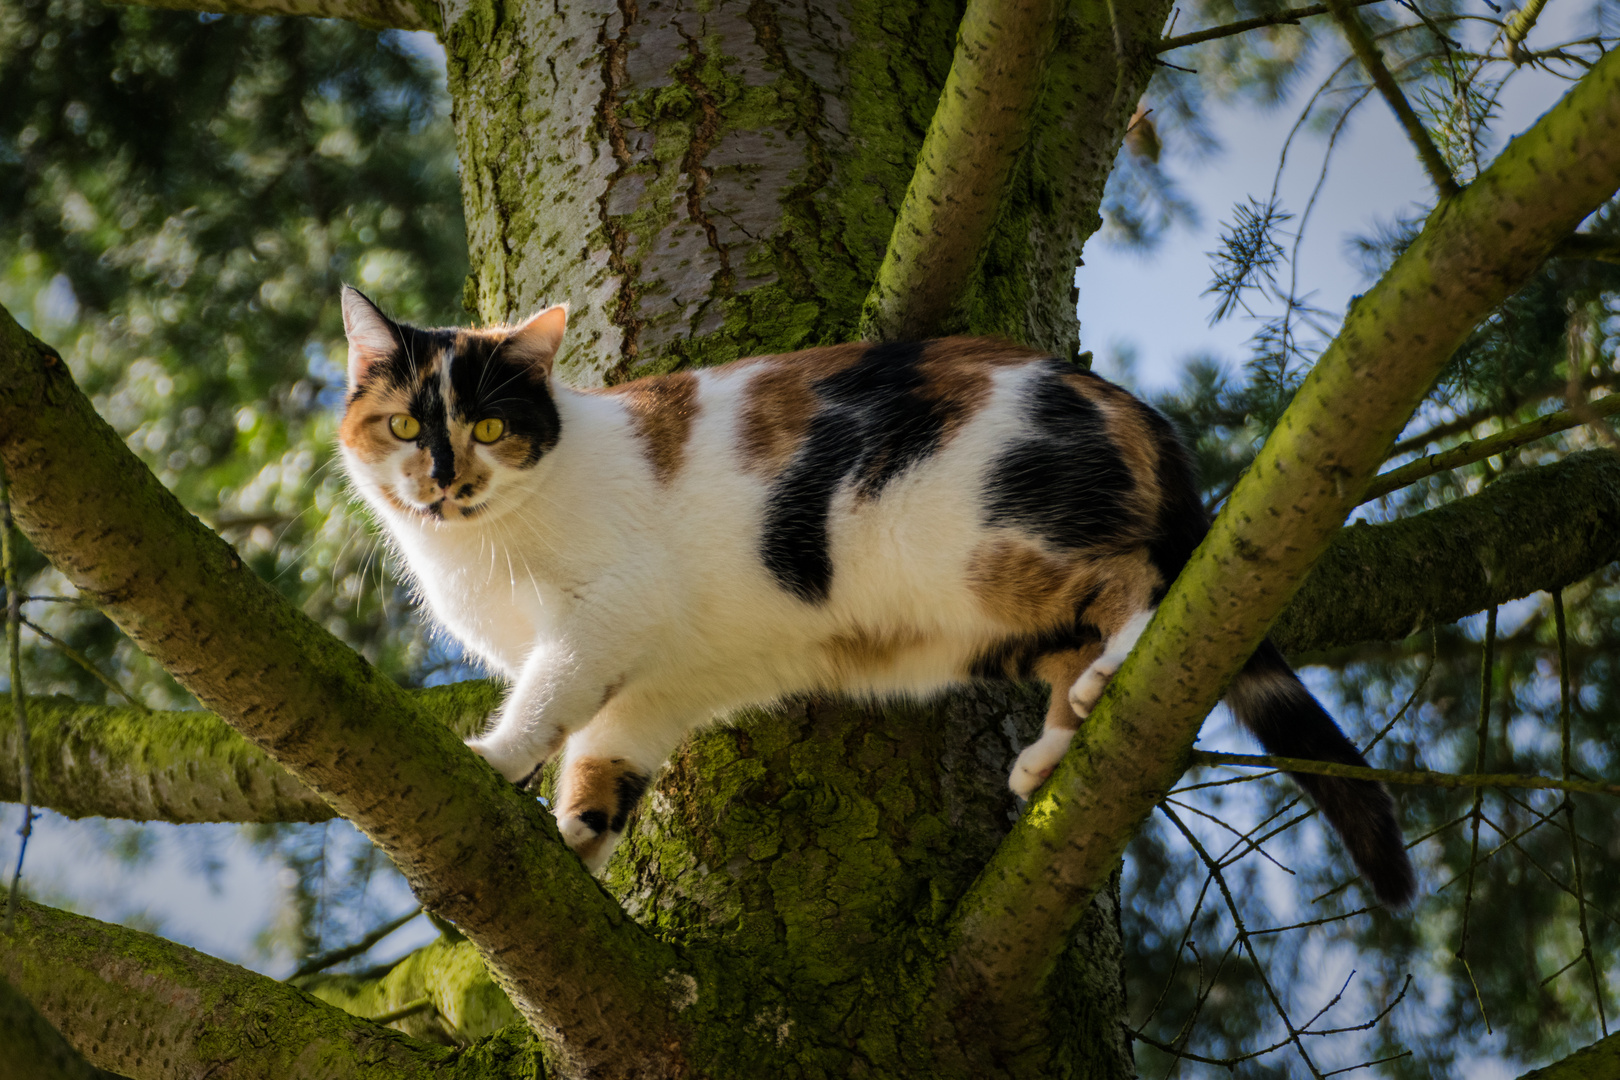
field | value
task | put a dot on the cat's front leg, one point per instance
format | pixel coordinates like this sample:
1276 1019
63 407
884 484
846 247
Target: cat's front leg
561 686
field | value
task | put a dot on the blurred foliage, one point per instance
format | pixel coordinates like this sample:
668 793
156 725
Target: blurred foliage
182 197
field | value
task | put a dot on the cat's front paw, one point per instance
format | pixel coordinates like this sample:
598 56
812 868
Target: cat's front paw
1038 760
516 763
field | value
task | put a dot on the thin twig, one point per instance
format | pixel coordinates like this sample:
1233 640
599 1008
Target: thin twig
1474 417
19 696
1243 938
1412 777
1564 711
1519 26
87 664
1361 43
349 952
1480 449
1486 669
1290 16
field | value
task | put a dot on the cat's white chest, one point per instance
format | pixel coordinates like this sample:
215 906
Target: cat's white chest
489 597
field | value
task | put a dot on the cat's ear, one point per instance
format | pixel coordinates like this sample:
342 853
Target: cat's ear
535 341
372 336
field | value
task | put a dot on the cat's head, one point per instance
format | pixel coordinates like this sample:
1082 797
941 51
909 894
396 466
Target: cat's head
442 424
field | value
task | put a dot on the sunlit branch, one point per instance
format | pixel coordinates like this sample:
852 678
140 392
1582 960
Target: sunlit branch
978 130
1480 449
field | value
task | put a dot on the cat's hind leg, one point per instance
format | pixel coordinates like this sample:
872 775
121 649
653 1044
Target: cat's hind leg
606 768
1035 763
1089 687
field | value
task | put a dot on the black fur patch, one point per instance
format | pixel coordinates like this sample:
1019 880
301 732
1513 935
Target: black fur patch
487 385
595 820
630 788
1182 521
873 424
1064 481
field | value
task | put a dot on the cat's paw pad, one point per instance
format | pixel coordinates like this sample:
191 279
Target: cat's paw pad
1088 688
511 762
1037 761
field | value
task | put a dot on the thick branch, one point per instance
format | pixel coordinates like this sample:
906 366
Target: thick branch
474 849
100 761
1490 446
1474 251
1531 531
1600 1061
376 14
141 1006
979 127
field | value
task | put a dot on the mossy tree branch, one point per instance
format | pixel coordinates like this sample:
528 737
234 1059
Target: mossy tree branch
1473 252
143 1007
1530 531
473 848
375 14
979 128
1600 1061
181 767
1480 449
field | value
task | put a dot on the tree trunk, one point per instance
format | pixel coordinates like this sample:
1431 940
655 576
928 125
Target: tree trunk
704 183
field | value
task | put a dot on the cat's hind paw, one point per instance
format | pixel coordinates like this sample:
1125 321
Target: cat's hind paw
1038 760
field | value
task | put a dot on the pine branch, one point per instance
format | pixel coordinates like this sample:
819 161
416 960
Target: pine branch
475 850
375 14
1415 778
1531 530
1289 16
1011 925
1366 50
1480 449
979 128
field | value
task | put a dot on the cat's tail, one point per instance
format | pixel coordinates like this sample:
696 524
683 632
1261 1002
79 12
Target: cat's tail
1268 699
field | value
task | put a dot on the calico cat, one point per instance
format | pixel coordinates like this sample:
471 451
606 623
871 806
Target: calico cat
869 519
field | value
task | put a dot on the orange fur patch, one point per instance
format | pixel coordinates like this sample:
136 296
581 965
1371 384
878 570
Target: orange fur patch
1059 670
861 650
662 408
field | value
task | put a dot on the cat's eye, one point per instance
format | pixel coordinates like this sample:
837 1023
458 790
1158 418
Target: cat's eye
404 426
488 430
